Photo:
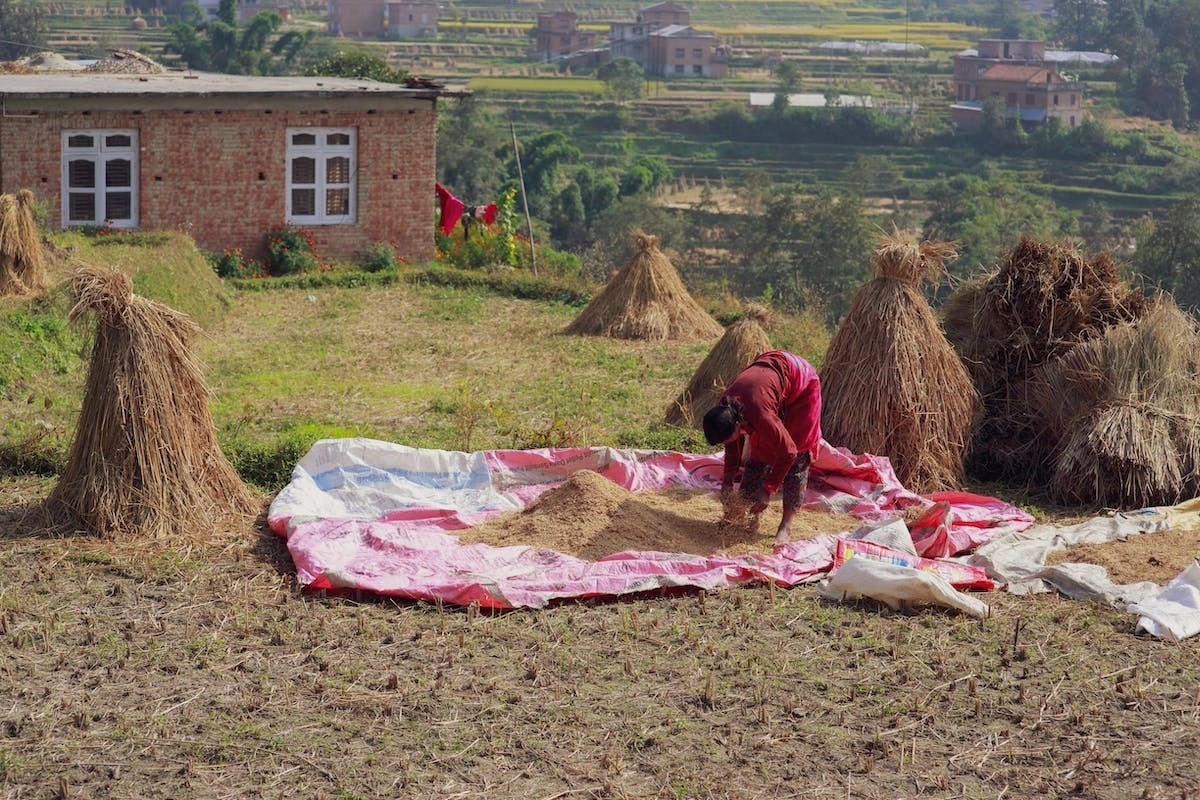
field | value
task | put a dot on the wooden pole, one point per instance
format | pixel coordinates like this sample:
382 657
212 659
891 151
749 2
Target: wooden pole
524 199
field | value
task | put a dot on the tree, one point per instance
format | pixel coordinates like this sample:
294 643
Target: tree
1079 23
357 64
23 28
986 217
1170 255
542 159
474 150
220 45
623 79
1097 228
645 174
788 77
835 253
810 249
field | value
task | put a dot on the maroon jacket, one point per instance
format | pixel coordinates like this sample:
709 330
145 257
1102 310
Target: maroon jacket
780 396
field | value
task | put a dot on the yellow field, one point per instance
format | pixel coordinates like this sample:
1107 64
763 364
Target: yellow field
575 86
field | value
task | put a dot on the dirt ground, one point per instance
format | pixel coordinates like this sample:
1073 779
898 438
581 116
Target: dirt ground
195 667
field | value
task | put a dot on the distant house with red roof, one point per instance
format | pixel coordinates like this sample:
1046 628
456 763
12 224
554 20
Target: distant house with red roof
1017 71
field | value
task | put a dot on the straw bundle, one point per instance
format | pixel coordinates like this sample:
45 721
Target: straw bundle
145 458
22 267
1123 411
1041 301
646 299
741 343
891 384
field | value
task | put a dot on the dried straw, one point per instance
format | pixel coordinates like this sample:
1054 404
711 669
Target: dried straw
145 460
22 266
1041 301
1123 411
741 343
891 384
647 300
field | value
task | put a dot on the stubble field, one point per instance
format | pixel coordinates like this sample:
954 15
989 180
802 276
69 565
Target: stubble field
195 666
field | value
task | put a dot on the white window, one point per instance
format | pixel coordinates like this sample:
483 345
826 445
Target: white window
321 176
100 178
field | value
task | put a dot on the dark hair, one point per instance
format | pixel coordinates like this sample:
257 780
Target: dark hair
721 421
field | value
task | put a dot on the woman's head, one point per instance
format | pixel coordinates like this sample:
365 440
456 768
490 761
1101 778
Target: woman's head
723 422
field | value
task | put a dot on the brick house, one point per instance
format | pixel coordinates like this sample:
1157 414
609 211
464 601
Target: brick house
227 157
361 18
660 15
1018 71
661 40
678 51
374 19
557 34
412 19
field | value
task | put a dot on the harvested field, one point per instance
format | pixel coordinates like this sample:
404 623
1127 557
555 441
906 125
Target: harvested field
194 668
191 666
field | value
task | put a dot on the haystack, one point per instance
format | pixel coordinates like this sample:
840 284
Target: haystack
891 384
22 266
1123 410
646 299
741 343
1042 300
145 459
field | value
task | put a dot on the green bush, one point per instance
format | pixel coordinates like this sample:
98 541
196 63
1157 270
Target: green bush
233 263
382 258
269 465
292 251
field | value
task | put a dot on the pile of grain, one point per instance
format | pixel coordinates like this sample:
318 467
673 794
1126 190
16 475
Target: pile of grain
589 516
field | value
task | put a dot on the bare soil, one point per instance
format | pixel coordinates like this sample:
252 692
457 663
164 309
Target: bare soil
194 667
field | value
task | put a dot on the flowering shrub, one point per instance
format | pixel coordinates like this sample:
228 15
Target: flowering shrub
233 263
382 258
292 251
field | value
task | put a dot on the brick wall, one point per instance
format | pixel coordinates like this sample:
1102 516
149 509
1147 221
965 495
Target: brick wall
220 175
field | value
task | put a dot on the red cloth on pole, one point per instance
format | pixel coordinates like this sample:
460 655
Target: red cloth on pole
452 209
488 213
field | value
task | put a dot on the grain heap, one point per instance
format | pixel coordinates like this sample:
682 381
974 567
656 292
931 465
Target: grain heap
891 383
741 343
588 516
1042 301
145 460
1121 413
22 265
647 300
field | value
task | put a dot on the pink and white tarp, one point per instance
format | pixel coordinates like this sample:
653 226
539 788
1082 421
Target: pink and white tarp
380 517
